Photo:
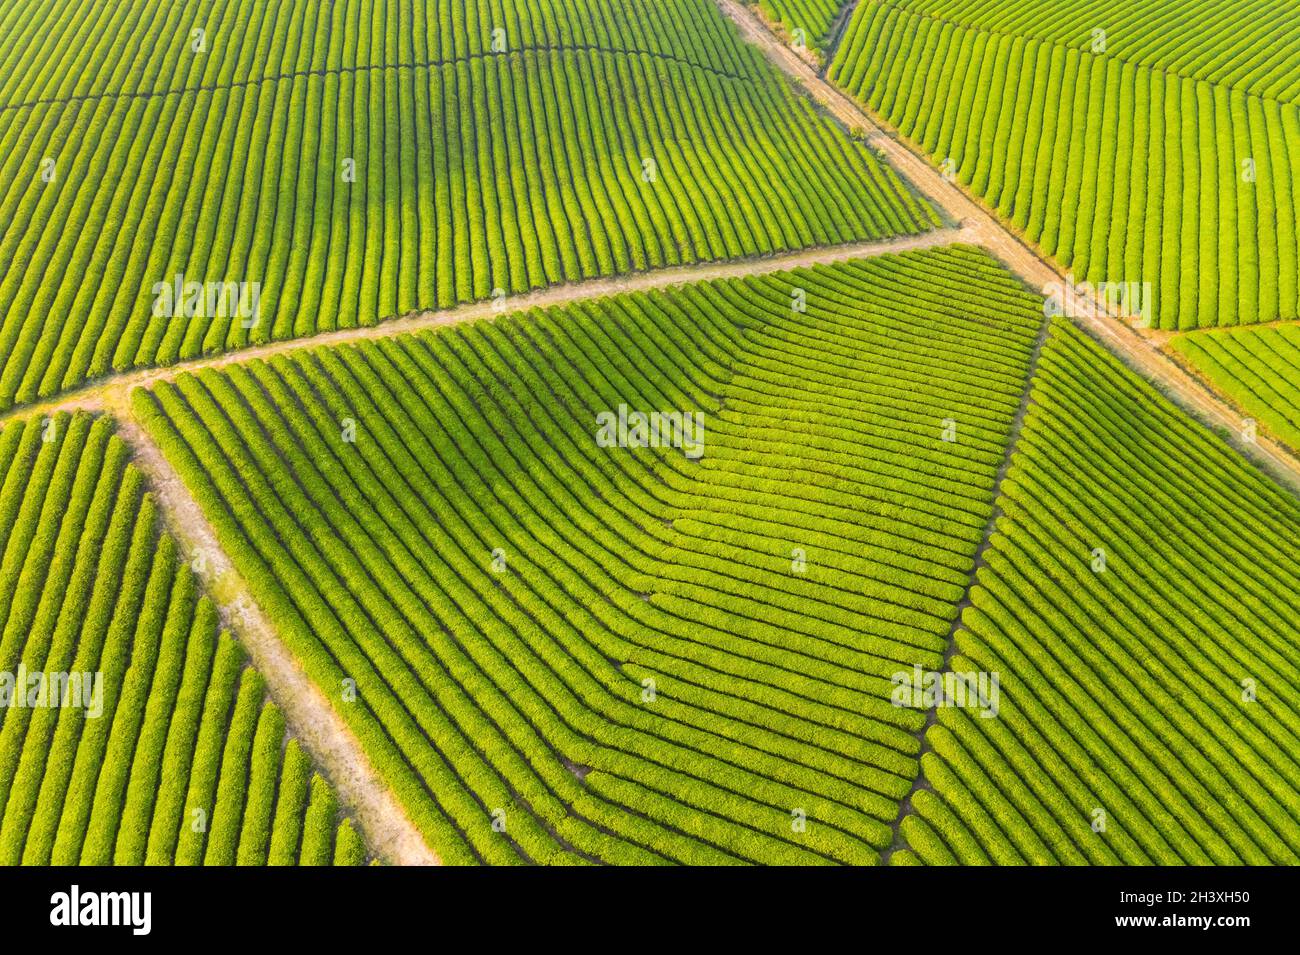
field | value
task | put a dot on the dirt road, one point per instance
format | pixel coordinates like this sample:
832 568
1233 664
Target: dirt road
388 831
111 390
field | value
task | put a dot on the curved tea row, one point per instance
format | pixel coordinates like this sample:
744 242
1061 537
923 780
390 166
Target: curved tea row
1155 157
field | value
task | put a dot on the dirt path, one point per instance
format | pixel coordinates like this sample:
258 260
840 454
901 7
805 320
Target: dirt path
112 390
1139 350
388 831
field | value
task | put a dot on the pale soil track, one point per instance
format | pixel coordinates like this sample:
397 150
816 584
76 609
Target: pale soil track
1138 349
389 833
108 391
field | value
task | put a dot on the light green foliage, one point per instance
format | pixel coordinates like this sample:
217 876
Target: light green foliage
1258 368
814 18
1163 691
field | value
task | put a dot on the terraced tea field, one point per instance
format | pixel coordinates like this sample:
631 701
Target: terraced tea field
806 23
647 432
629 654
1259 368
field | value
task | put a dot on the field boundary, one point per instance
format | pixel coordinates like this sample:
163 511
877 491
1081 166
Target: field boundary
979 561
838 29
104 392
322 71
1065 45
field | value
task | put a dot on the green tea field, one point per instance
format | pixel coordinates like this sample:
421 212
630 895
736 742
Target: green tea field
646 434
